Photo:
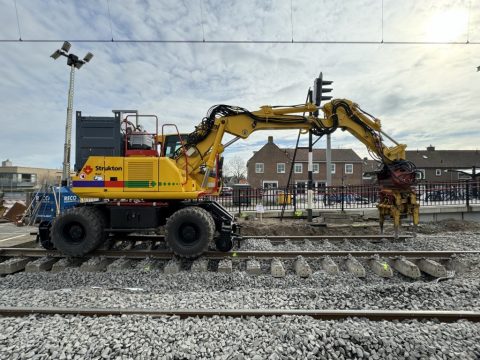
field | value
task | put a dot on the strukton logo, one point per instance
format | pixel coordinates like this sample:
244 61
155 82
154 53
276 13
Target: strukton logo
88 169
108 168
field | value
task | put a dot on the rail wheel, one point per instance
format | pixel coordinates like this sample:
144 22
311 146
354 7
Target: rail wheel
189 231
43 235
78 231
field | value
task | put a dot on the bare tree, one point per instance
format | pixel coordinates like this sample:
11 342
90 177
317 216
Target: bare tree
235 169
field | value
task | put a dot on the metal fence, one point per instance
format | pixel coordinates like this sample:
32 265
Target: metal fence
345 197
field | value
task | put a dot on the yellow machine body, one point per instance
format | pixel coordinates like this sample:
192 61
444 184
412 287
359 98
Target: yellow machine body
145 177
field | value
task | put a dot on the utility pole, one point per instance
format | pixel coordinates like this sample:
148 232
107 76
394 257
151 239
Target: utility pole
75 63
310 179
329 160
318 97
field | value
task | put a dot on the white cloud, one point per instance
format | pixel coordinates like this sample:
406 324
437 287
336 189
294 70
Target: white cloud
424 94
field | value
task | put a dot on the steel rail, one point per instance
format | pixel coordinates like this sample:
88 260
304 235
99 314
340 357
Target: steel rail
374 315
282 238
333 238
165 254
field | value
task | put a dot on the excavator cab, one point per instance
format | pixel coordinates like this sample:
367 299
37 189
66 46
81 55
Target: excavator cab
171 144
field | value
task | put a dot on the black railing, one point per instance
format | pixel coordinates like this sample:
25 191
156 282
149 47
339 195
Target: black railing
452 193
344 197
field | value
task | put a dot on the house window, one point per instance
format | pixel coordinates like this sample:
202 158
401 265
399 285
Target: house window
348 168
259 168
332 168
270 184
420 175
438 172
316 168
298 168
280 168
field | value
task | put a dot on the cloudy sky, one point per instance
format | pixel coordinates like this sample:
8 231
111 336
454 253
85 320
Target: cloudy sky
423 93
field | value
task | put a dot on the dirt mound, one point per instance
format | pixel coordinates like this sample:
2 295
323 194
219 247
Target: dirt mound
294 227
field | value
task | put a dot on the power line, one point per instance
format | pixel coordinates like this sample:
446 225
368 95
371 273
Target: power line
110 18
18 21
292 41
166 41
468 20
201 15
291 17
382 21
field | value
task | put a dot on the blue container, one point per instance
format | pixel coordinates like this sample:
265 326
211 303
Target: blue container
48 207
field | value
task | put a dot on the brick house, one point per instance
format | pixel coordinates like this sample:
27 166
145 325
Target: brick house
270 167
436 165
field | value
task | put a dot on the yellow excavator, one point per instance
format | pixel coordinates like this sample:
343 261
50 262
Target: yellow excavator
146 180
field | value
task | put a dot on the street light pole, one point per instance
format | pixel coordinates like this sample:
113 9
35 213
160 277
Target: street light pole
75 63
68 131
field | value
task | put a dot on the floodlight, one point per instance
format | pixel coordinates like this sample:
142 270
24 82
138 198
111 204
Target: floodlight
66 46
88 57
56 55
74 63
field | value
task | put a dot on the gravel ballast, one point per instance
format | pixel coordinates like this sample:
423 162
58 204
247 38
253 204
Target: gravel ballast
235 290
137 337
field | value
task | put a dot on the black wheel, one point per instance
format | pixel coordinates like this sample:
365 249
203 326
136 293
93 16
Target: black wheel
189 231
224 243
78 231
43 235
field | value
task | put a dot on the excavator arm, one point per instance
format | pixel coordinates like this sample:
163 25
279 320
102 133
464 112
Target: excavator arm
396 178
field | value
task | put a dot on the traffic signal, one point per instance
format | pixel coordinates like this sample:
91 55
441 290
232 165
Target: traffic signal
319 90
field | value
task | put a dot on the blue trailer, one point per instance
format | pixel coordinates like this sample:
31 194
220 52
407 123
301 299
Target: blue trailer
44 210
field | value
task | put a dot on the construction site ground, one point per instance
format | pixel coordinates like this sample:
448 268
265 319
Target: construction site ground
273 226
13 235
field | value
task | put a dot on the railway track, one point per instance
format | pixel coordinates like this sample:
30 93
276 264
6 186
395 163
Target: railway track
293 238
217 255
411 264
374 315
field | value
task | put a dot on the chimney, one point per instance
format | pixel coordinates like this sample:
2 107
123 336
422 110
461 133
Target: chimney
430 148
270 139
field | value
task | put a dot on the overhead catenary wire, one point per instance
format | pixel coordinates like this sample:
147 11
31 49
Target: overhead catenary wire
298 42
18 21
201 20
291 17
382 21
110 18
228 41
468 20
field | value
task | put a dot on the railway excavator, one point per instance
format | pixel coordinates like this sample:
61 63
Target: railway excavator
139 181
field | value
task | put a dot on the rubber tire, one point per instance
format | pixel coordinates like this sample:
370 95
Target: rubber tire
92 222
194 216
